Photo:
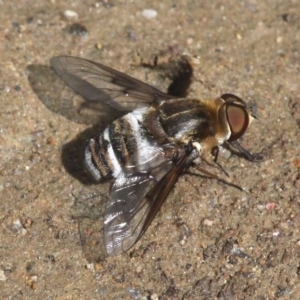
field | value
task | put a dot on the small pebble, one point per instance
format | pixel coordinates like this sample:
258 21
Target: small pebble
2 276
17 225
78 29
134 293
70 14
90 266
149 13
207 222
239 36
31 282
154 297
260 207
189 41
99 46
270 205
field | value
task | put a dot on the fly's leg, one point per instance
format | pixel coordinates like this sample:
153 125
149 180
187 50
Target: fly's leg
246 154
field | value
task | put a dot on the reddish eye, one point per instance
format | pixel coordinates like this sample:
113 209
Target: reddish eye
238 120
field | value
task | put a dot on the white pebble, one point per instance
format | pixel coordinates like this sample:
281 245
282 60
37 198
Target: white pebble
149 13
2 276
208 222
70 14
90 267
17 225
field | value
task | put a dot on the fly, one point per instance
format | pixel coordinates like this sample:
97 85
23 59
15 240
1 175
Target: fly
151 145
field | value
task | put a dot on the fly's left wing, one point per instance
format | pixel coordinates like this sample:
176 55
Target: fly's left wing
101 84
136 197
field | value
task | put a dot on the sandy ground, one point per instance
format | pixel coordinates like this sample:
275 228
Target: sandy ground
209 241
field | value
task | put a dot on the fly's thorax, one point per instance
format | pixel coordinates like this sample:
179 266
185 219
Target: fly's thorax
181 120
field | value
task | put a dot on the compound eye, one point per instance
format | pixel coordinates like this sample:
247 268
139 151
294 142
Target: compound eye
238 120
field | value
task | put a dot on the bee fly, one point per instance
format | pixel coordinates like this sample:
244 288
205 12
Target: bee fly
147 149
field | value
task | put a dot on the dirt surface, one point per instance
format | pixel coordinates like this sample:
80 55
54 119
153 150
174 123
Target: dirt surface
209 241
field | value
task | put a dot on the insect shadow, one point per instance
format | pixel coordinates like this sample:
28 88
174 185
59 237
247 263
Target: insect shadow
90 204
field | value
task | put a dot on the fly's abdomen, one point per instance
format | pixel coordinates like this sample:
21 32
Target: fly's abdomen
107 153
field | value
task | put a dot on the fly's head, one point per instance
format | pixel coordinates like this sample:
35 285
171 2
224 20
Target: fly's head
236 114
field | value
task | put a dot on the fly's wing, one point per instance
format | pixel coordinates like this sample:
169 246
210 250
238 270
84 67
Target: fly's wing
99 83
135 200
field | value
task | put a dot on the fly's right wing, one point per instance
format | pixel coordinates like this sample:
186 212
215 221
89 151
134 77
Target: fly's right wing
99 83
136 197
